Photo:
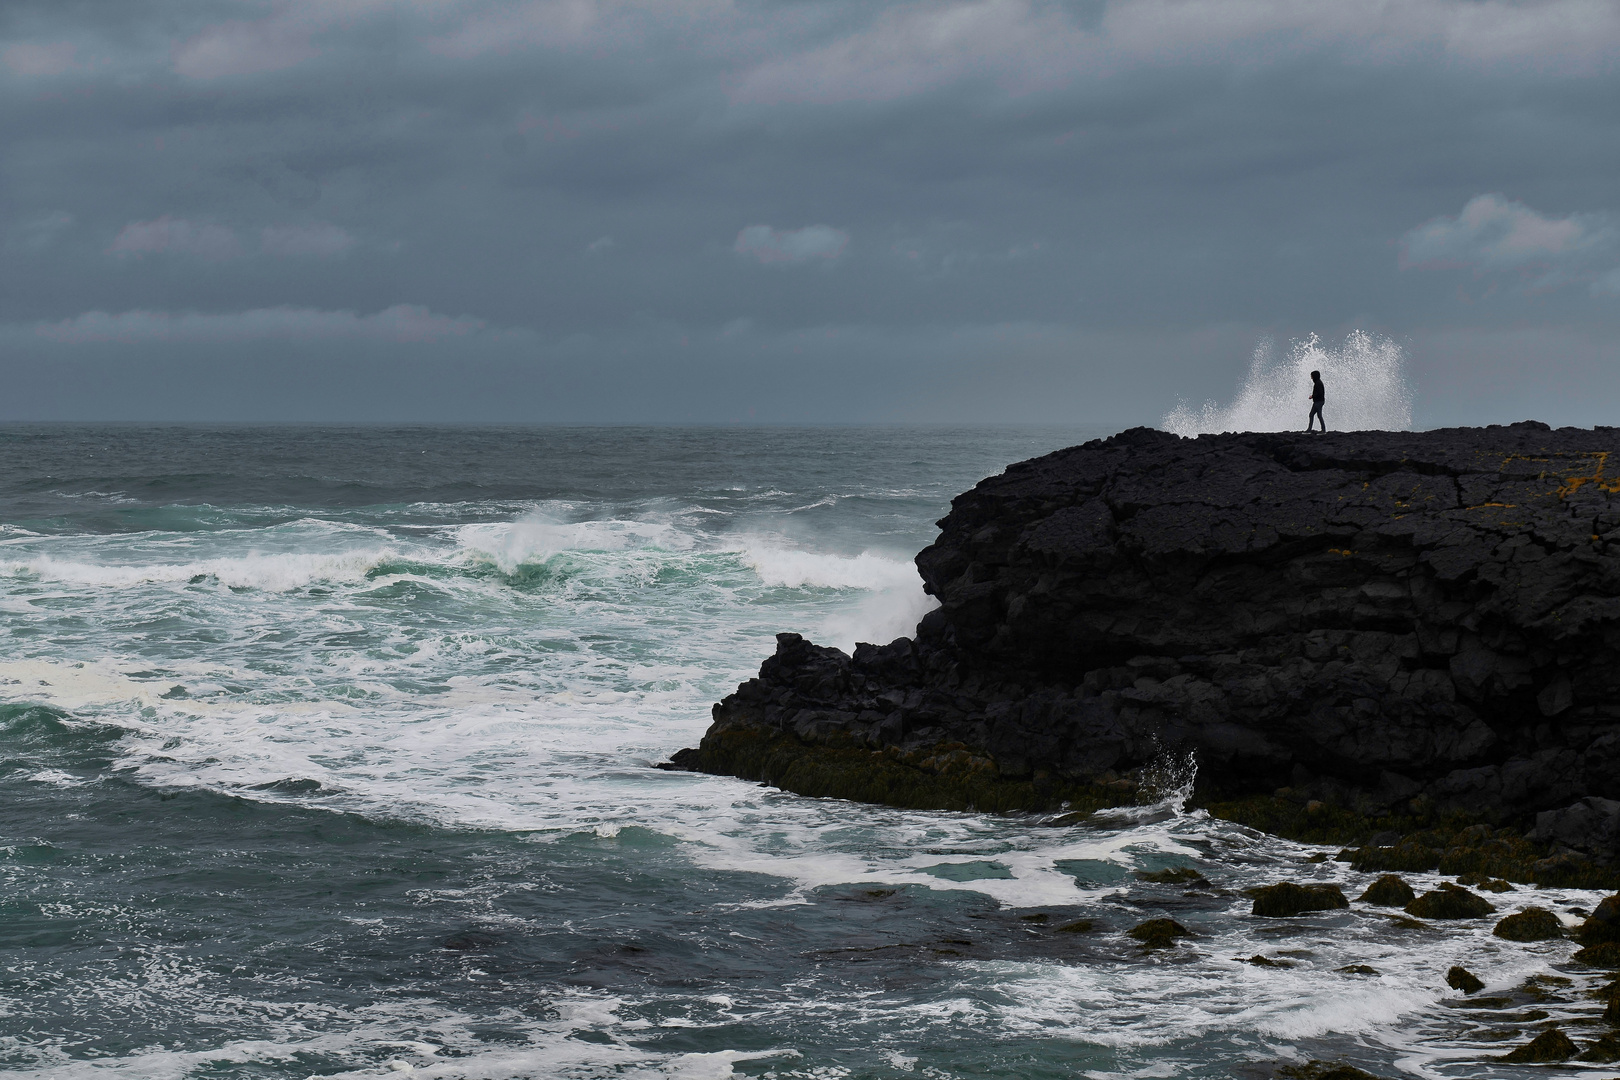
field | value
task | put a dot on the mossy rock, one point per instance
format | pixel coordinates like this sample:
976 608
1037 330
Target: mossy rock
1409 856
1460 978
1531 924
1287 899
1603 1051
1545 987
1484 881
1266 961
1604 955
1603 924
1388 891
1176 876
1079 926
1358 969
1158 933
1550 1045
1325 1070
947 776
1450 902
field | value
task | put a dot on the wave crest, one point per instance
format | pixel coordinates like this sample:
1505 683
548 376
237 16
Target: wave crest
1366 390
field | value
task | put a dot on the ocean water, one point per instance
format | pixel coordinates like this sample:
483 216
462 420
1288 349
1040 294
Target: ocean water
329 752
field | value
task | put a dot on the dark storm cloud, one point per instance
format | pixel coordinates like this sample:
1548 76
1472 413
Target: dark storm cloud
809 210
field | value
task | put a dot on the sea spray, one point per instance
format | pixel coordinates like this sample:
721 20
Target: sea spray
1366 389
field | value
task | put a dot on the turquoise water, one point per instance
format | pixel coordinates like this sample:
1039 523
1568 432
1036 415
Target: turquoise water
328 752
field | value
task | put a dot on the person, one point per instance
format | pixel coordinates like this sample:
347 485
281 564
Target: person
1318 392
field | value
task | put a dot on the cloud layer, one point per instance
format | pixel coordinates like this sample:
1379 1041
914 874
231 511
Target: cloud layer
401 323
708 190
770 245
176 236
1493 233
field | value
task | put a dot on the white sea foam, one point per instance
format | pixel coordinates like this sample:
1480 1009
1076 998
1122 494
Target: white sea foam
271 572
800 569
1366 389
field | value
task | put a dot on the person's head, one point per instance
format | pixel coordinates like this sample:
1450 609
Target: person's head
1317 375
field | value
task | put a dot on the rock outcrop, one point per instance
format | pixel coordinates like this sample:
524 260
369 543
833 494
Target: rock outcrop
1387 625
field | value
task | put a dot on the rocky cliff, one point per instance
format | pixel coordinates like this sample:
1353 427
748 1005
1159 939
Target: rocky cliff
1367 627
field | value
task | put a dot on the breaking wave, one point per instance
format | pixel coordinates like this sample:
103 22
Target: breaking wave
1366 390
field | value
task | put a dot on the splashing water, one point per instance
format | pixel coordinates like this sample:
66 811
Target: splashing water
1366 389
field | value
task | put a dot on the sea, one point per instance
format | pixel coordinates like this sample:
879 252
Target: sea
330 752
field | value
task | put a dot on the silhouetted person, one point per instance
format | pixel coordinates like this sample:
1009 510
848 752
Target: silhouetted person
1318 392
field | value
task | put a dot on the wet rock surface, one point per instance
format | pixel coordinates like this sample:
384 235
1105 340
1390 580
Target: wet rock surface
1158 933
1287 899
1389 891
1550 1045
1450 902
1343 629
1531 924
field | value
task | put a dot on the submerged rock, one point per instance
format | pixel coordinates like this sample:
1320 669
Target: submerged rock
1079 926
1450 902
1480 880
1325 1070
1286 899
1388 891
1460 978
1550 1045
1351 634
1158 933
1266 961
1531 924
1176 876
1603 1051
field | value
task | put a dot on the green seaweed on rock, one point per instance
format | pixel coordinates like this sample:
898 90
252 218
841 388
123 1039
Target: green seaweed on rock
1158 933
943 777
1550 1045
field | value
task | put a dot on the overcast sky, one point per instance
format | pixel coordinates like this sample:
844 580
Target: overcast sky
799 210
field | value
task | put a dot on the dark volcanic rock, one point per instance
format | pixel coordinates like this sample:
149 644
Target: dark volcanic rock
1383 623
1531 924
1389 891
1286 899
1460 978
1593 824
1450 902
